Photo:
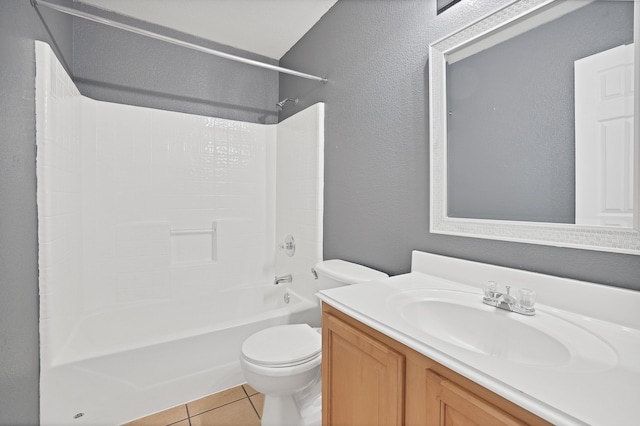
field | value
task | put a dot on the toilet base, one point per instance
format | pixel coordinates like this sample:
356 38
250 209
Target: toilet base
280 411
309 403
303 408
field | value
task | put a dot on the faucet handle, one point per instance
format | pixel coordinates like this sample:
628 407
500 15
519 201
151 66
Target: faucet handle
525 299
289 246
490 289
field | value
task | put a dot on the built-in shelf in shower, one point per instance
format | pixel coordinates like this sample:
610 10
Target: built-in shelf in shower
193 246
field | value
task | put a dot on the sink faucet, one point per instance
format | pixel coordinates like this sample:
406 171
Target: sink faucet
506 301
283 279
521 304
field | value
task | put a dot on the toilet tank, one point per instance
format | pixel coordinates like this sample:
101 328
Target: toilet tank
335 273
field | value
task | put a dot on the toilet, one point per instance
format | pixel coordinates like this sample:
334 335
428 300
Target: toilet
283 362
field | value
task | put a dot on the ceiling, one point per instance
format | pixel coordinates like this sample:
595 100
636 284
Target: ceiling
266 27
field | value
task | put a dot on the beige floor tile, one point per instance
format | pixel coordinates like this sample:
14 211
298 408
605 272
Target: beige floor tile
163 418
216 400
184 422
250 391
258 401
239 413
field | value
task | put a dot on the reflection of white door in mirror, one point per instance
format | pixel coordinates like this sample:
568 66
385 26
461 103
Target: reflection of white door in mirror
604 138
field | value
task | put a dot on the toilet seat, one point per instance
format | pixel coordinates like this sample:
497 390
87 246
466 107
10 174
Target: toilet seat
283 346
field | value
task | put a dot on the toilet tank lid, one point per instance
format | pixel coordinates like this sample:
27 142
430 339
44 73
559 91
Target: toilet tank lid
347 272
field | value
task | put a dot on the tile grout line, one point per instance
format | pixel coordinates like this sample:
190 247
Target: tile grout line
186 406
190 416
254 408
251 401
181 420
219 406
245 391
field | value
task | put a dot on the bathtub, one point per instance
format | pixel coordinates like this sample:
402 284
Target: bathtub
127 363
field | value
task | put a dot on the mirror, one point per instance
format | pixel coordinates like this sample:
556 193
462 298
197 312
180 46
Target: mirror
532 126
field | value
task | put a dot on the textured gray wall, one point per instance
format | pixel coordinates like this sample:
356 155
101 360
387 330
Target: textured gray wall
503 164
19 358
113 65
377 142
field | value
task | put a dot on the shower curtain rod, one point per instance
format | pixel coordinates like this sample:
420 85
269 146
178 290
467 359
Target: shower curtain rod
130 28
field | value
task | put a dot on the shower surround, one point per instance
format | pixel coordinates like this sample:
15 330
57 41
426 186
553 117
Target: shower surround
158 236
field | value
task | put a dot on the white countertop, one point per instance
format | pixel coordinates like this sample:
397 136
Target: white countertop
603 391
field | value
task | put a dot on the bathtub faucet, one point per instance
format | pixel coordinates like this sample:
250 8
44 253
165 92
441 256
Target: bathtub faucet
283 279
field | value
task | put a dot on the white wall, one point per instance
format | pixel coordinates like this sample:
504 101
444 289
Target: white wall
173 203
59 201
299 195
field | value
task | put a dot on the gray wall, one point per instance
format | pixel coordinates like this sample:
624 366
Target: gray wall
113 65
502 163
19 359
377 142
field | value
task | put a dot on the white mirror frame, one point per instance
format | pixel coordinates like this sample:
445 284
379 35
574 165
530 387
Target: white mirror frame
620 240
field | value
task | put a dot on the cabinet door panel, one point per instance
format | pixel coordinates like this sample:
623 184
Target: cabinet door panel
363 379
451 405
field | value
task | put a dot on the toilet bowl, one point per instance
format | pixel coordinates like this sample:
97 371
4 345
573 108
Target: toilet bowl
283 362
279 362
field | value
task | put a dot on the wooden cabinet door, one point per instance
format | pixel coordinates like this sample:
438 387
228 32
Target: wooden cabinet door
449 404
362 379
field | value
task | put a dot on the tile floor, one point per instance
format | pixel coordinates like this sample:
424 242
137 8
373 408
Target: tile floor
239 406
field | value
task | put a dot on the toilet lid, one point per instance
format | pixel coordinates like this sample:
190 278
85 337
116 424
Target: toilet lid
283 345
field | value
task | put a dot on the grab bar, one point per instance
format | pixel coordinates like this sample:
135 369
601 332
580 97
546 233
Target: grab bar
192 231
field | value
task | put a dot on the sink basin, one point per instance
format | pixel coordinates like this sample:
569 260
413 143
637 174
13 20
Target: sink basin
461 319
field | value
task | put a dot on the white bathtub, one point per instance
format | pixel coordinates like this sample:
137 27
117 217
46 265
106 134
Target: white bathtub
125 364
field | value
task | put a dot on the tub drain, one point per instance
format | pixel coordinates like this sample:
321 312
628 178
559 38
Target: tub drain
287 298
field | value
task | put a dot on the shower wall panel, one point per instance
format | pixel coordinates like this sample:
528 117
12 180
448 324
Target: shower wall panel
59 200
173 203
299 194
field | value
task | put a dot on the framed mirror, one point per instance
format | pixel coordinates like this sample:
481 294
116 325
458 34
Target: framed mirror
533 130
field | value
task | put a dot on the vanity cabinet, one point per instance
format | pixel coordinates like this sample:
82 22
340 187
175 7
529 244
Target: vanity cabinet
370 379
450 404
364 379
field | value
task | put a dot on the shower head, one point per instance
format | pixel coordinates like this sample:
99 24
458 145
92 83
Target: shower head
281 104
